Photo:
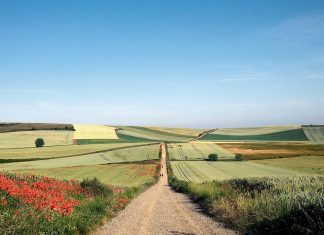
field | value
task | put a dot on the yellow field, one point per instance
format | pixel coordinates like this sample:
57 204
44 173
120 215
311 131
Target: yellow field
24 139
96 132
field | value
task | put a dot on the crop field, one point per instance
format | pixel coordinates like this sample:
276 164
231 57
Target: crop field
288 135
8 127
58 151
315 134
94 132
129 175
133 154
150 134
255 151
188 132
202 171
197 151
25 139
303 164
254 130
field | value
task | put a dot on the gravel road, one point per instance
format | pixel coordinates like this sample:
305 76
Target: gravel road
160 210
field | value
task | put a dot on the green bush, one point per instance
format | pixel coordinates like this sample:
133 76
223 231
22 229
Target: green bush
39 142
239 157
95 187
213 157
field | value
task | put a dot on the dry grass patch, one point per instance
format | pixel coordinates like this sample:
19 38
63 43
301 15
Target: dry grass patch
254 151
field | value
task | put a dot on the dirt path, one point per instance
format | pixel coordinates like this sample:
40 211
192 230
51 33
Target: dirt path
160 210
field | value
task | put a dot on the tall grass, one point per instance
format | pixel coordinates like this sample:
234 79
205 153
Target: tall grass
291 205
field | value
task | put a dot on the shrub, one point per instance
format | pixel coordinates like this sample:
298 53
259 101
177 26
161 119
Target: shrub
239 157
95 187
213 157
39 142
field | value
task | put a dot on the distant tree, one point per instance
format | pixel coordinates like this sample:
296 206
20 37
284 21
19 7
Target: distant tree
213 157
39 142
33 128
239 157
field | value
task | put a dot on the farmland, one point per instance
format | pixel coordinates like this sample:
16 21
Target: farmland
287 135
133 154
26 139
254 130
315 134
11 155
94 132
131 161
187 132
150 134
130 175
11 127
255 151
302 164
197 151
201 171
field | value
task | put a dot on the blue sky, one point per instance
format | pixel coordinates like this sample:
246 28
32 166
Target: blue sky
169 63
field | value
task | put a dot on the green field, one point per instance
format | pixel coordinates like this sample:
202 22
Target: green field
254 130
58 151
25 139
133 154
288 135
197 151
302 164
187 132
315 134
130 175
202 171
147 133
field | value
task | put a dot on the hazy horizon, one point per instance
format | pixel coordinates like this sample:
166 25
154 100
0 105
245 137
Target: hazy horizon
203 64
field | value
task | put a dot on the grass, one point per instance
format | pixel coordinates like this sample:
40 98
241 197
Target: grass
23 139
146 133
94 132
126 175
253 130
202 171
255 151
187 132
133 154
303 164
315 134
58 151
289 135
288 205
197 151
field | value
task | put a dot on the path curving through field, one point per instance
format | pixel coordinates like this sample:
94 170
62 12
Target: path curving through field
160 210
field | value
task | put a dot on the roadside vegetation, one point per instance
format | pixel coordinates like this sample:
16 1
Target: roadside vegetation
40 205
271 205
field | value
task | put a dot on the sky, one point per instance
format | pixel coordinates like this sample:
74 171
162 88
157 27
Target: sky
176 63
